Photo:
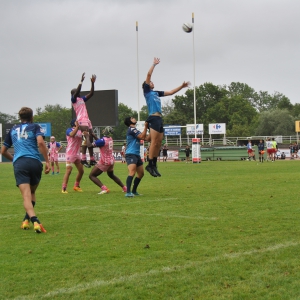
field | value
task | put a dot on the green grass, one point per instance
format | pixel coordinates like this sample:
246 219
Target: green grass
217 230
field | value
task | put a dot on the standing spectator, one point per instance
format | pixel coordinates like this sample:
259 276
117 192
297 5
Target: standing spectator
187 151
74 138
165 152
274 149
291 150
159 154
155 117
84 122
261 150
269 146
133 158
106 162
27 139
296 149
250 151
123 153
145 154
54 148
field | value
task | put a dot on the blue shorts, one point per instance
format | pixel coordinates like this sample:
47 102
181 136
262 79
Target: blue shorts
156 123
133 159
28 170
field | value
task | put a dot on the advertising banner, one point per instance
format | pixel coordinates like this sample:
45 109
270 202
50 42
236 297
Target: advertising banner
190 129
217 128
46 128
170 130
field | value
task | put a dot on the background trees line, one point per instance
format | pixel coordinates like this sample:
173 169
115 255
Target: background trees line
245 112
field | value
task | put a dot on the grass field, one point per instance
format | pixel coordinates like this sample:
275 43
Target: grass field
217 230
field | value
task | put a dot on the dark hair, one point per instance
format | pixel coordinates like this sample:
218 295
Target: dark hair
127 121
108 131
26 114
72 123
143 85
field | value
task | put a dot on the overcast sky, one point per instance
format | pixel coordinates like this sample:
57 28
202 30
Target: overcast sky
47 45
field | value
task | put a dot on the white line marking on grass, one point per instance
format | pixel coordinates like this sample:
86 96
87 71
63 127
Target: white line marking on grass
87 207
161 215
124 279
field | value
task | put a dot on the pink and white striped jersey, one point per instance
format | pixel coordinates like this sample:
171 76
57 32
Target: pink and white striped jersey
74 143
80 109
53 147
106 151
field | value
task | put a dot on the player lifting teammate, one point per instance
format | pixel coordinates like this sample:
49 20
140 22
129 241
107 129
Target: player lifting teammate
84 122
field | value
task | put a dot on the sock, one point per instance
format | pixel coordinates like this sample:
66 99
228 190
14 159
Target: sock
34 219
26 215
83 156
103 187
76 183
150 162
64 186
135 184
154 161
92 158
128 183
52 168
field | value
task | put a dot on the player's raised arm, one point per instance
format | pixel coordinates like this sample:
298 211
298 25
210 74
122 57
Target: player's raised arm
76 93
156 61
74 131
174 91
91 93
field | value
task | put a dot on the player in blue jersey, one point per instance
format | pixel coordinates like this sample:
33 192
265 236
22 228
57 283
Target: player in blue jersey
27 139
132 155
155 117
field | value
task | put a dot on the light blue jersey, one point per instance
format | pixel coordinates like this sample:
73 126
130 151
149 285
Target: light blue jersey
152 99
23 137
133 143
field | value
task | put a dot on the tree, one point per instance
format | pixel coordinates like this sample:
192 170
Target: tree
123 112
236 112
275 122
58 116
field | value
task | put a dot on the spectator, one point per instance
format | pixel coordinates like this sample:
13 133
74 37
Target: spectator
165 152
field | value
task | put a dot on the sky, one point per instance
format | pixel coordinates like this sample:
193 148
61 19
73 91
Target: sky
47 45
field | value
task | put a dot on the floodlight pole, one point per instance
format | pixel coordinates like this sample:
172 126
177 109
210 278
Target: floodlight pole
195 117
137 59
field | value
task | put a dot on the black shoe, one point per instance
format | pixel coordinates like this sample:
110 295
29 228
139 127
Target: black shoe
151 171
156 171
84 162
93 162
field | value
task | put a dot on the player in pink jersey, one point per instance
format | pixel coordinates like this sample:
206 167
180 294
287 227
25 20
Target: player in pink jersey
54 148
74 139
84 122
106 162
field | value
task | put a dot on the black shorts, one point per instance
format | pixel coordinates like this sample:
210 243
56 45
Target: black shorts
28 170
133 159
156 123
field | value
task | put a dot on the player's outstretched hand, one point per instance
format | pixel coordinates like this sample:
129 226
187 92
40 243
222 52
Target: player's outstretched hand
47 168
156 61
82 76
186 84
93 79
